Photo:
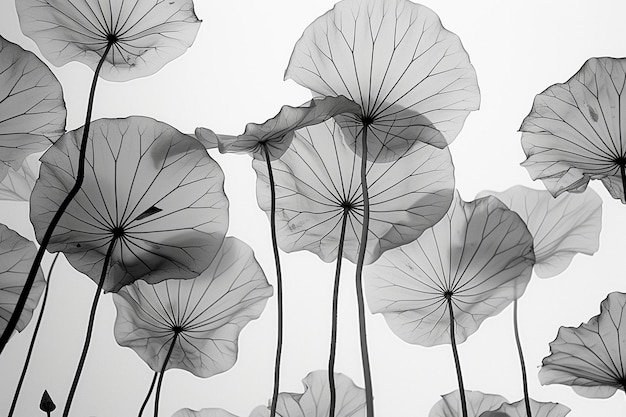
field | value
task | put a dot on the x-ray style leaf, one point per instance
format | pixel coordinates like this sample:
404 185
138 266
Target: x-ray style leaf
32 110
277 133
574 130
477 403
315 400
591 357
16 257
538 409
19 184
140 36
205 412
561 227
411 76
203 316
318 179
152 188
479 258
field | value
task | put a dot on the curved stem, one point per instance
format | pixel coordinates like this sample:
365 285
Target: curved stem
33 338
92 317
157 396
333 334
145 402
456 358
521 360
279 284
80 176
367 375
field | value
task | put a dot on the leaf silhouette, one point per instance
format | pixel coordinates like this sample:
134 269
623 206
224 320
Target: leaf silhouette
207 313
154 189
561 227
411 76
318 179
205 412
16 257
277 133
573 132
477 403
538 409
315 400
590 357
144 34
19 184
478 257
46 404
32 110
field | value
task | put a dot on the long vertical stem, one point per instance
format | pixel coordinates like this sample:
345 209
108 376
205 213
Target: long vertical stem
80 176
622 169
456 358
157 396
92 317
521 360
279 284
33 339
335 314
145 401
367 375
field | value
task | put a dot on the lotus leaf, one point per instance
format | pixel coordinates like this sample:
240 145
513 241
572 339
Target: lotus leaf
477 404
538 409
205 412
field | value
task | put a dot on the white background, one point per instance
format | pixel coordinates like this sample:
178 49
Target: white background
232 75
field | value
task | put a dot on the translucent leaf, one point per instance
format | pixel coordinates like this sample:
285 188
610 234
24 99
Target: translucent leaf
479 256
477 403
573 132
591 357
19 184
32 110
205 412
561 227
16 257
315 401
318 179
537 409
208 312
412 77
134 167
145 34
277 133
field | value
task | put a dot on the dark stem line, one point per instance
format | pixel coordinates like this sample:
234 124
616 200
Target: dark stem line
145 401
622 169
92 317
80 176
157 395
279 285
367 374
33 339
521 360
335 315
457 362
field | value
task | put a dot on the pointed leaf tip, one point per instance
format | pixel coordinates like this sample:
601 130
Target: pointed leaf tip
46 404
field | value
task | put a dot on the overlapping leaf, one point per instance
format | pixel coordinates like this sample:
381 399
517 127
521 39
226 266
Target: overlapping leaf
477 403
16 257
208 312
32 110
205 412
479 256
411 76
144 34
574 130
19 184
315 401
591 357
538 409
149 186
561 227
277 133
317 180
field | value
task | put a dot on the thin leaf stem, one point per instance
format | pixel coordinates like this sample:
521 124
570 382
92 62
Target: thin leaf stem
157 395
279 284
367 375
521 360
80 176
335 314
622 169
457 362
33 339
92 317
145 401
